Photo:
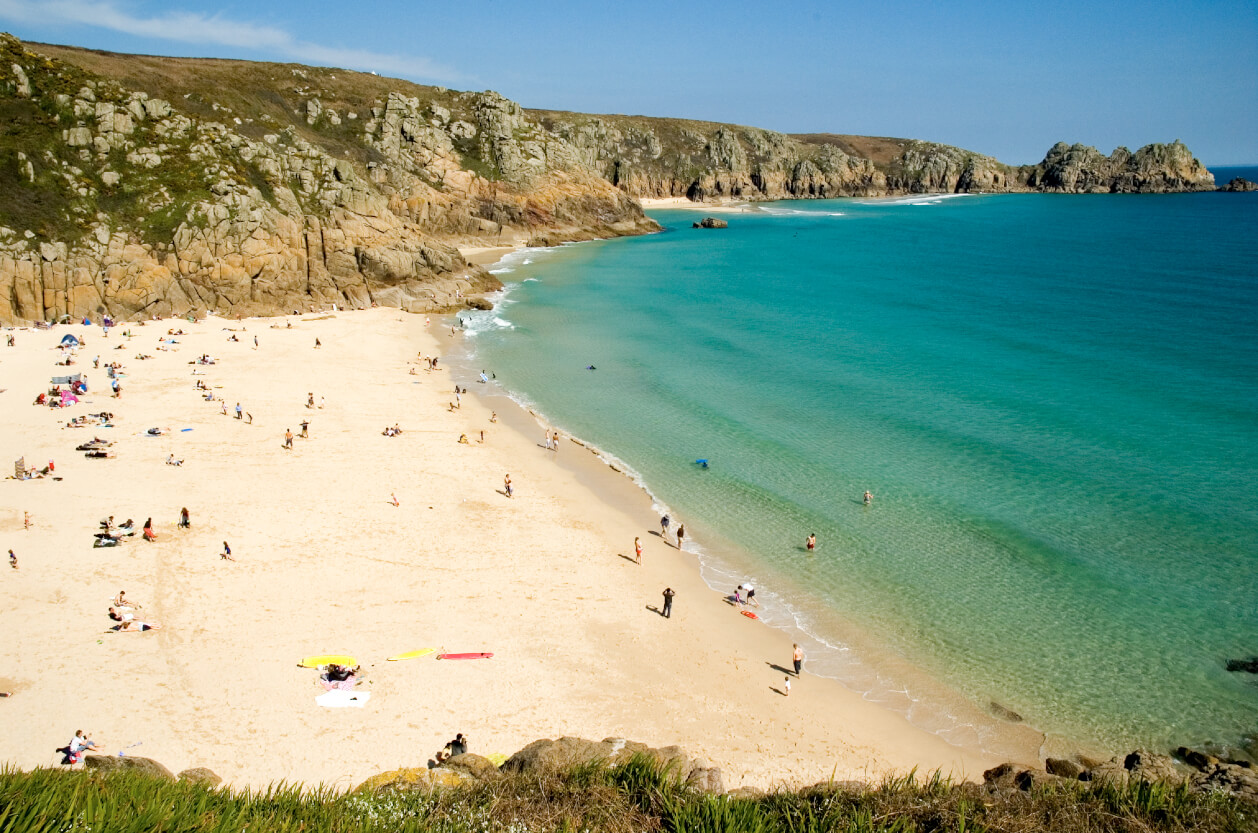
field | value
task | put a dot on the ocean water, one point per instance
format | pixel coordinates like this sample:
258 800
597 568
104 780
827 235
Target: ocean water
1053 399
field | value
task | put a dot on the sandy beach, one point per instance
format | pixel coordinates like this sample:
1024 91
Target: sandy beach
325 563
719 205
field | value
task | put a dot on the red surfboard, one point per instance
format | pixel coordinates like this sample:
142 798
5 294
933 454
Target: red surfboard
464 656
750 615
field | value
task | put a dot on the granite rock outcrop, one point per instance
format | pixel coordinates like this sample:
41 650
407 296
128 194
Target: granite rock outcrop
1239 185
139 202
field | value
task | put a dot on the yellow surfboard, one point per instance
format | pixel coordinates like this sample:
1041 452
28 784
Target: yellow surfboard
327 659
422 652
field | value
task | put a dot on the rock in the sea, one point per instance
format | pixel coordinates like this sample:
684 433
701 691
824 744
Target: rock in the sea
1238 185
200 775
710 222
1249 666
116 763
1198 760
479 303
1062 768
1004 712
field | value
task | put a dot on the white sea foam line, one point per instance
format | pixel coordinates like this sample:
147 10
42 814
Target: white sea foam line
915 199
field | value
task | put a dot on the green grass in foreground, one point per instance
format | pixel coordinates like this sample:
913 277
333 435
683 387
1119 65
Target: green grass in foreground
638 795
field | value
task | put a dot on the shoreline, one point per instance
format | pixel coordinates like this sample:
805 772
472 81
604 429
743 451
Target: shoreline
616 480
325 564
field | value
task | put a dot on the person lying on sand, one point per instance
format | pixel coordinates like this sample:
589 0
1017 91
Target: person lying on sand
136 626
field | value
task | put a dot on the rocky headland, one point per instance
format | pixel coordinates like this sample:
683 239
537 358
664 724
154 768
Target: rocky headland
135 186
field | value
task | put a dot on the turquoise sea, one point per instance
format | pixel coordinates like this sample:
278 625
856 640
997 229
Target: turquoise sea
1053 399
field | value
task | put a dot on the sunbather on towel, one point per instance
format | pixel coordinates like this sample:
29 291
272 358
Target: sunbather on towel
136 626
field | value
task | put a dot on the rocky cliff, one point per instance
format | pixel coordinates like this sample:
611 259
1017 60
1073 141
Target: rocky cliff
650 157
137 186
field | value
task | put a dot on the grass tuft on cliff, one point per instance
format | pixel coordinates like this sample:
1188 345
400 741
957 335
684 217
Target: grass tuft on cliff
638 795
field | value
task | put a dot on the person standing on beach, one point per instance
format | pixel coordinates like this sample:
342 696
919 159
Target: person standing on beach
664 521
239 411
12 560
288 438
305 429
681 534
255 342
506 485
637 550
184 521
548 439
797 658
667 612
317 344
786 685
227 553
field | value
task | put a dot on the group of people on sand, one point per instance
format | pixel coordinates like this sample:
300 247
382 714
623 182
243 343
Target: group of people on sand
124 612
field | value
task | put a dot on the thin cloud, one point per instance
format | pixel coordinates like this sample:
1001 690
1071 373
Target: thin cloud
195 28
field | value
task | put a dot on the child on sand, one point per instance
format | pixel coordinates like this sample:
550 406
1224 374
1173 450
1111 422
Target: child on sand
786 683
506 484
12 560
227 553
637 550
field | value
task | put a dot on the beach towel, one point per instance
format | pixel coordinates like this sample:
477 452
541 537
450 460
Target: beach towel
343 699
339 685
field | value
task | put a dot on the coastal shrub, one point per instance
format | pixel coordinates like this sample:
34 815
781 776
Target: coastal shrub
641 794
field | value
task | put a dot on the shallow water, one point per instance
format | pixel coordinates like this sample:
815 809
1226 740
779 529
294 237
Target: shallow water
1052 399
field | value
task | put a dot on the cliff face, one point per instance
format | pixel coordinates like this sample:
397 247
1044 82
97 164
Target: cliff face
649 157
133 185
253 195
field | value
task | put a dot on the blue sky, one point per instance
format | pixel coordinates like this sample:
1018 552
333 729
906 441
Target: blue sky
1003 78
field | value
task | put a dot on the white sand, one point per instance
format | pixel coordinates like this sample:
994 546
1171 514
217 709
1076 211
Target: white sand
325 564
